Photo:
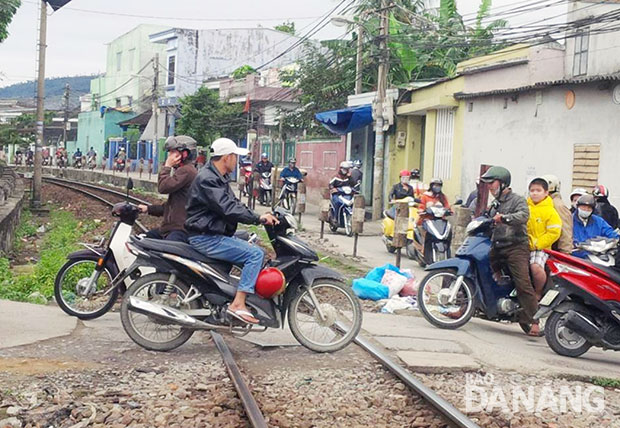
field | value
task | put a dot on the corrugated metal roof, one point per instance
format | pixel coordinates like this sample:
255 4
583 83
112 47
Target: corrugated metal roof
540 85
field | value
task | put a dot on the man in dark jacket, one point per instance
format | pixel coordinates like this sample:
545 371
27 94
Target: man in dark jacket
604 208
174 180
510 242
213 212
264 165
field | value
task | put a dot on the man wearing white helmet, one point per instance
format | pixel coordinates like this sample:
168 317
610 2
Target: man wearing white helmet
213 212
565 242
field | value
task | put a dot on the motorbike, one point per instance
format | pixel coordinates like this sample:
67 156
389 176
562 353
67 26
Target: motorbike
46 160
387 225
88 284
600 250
18 159
120 165
265 189
288 194
246 170
431 241
29 160
323 313
60 161
583 306
456 289
77 162
92 162
341 209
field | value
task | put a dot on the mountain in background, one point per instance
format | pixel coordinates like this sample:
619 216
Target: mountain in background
54 91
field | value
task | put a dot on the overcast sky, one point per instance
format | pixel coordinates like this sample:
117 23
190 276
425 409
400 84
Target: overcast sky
76 38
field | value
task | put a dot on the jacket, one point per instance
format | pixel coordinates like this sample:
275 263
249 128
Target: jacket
565 243
515 214
595 226
356 176
340 181
213 208
399 192
176 185
295 172
608 212
263 167
544 225
429 198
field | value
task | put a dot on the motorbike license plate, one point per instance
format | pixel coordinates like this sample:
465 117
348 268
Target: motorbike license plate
549 297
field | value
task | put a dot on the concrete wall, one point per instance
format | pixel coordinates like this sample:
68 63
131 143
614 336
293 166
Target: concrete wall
11 202
320 159
94 130
531 139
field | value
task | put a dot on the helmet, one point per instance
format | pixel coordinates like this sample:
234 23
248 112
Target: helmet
292 160
600 191
553 182
405 173
270 283
436 181
578 192
541 178
122 149
180 142
357 163
497 173
415 173
586 199
263 156
345 165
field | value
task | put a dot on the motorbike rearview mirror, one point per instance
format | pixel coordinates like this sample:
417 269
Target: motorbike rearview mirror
459 201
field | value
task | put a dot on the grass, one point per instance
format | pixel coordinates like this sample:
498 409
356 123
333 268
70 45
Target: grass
606 382
26 228
64 232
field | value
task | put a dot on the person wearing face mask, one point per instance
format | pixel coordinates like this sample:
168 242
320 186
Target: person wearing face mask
402 189
509 241
433 196
587 225
576 194
543 230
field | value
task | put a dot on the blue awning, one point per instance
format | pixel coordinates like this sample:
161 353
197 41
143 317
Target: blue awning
345 120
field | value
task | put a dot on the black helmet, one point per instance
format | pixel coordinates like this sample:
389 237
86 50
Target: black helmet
180 143
586 199
415 173
497 173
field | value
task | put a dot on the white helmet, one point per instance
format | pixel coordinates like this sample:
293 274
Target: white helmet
553 182
345 164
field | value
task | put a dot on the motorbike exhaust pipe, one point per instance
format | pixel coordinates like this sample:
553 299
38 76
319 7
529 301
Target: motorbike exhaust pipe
583 326
170 315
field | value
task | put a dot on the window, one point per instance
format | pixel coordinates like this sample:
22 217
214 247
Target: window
444 135
118 102
119 56
305 159
130 53
129 100
586 158
171 67
329 160
580 60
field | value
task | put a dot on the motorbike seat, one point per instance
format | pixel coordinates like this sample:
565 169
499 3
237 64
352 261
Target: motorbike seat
391 213
613 273
180 249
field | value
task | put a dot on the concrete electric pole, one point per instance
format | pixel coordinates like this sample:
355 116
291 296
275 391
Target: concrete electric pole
38 169
358 59
155 147
377 185
66 116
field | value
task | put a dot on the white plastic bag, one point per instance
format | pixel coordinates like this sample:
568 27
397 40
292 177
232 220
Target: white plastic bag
398 303
394 281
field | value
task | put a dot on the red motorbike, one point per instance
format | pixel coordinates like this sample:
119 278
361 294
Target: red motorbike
583 306
246 170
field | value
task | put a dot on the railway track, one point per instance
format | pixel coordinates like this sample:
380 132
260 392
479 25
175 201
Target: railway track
251 407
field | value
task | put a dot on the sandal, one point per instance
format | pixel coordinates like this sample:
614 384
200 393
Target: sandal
241 315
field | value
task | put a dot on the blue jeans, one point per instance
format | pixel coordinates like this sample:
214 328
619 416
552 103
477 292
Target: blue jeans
232 250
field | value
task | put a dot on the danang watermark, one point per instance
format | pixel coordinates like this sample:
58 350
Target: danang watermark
483 393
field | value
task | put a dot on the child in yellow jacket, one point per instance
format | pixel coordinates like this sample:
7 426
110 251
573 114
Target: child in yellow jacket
543 229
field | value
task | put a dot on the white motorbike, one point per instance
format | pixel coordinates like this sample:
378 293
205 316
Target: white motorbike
601 251
288 194
265 188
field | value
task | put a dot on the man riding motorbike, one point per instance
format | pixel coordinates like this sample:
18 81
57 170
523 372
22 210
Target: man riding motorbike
587 225
213 212
174 179
264 165
603 208
510 245
356 173
77 157
291 171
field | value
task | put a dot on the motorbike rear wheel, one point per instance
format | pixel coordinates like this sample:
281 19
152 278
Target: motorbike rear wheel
137 325
433 294
321 334
561 339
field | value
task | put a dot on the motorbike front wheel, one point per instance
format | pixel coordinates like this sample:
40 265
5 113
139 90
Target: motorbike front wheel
71 294
433 300
292 203
563 340
315 310
148 331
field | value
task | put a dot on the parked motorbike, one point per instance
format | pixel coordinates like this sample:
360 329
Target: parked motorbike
583 305
387 225
323 313
456 289
431 240
341 209
88 284
288 194
265 189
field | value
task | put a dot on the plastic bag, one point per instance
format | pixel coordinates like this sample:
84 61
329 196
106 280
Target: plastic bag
398 303
409 289
377 273
367 289
394 281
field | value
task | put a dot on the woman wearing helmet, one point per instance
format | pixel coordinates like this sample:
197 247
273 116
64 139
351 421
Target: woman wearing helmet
510 243
576 194
418 186
603 208
433 196
402 189
174 180
587 225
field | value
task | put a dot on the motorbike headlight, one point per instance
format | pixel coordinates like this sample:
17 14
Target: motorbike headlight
472 226
292 222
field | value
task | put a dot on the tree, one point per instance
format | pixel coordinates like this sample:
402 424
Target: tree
242 71
286 27
7 10
205 118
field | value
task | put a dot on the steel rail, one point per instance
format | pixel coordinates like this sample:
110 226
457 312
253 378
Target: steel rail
250 405
91 195
92 186
441 405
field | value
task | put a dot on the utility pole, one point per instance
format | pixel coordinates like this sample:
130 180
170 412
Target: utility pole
66 118
155 147
377 185
38 168
358 63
